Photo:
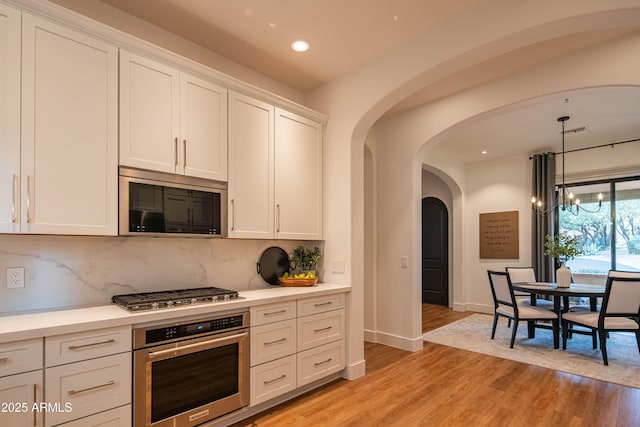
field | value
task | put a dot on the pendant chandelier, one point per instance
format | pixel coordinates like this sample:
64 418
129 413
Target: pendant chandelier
565 199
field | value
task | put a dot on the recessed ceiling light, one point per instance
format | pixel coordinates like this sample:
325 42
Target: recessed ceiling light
484 151
300 46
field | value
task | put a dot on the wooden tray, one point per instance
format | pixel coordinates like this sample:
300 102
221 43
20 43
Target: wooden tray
297 282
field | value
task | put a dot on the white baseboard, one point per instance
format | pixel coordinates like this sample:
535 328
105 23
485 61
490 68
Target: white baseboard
354 371
409 344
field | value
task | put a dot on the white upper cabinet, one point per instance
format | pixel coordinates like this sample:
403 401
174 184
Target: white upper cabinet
171 121
275 172
251 150
203 128
149 111
298 177
9 120
69 146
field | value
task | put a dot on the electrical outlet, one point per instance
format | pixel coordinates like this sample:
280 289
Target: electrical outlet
15 277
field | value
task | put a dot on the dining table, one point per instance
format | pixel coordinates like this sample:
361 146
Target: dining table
560 296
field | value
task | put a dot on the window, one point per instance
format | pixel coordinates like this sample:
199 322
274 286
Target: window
610 237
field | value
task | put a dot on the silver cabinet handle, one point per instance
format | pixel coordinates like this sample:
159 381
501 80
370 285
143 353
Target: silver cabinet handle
75 347
35 399
14 202
322 329
275 342
323 362
275 312
29 199
277 218
184 149
320 305
233 214
281 377
175 151
107 384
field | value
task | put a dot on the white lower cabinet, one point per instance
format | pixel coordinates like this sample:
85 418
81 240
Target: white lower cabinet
118 417
88 387
18 395
319 362
272 379
21 383
295 343
88 375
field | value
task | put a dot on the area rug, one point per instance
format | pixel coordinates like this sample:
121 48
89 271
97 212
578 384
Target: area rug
473 333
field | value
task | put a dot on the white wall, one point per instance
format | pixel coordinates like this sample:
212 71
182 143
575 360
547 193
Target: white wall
401 150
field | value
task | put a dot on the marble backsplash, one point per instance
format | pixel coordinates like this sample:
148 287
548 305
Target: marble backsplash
76 271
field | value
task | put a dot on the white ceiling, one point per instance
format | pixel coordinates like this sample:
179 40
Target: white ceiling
345 34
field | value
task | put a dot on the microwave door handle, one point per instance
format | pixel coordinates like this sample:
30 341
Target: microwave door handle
186 348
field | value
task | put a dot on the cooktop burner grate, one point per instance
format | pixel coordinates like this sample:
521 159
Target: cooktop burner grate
176 298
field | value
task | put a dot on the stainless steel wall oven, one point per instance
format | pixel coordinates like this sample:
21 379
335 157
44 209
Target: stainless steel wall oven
192 371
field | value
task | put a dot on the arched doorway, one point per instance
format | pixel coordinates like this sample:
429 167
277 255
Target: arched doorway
435 252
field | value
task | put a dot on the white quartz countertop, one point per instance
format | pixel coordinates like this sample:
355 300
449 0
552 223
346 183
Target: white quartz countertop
48 323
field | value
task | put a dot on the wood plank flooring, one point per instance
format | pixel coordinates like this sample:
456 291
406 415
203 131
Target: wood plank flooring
444 386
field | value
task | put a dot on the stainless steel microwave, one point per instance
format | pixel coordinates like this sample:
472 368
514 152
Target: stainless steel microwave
164 204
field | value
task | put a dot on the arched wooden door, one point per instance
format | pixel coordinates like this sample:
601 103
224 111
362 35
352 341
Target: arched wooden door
435 252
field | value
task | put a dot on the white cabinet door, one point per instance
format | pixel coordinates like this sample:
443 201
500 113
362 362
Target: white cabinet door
9 120
203 129
149 110
298 177
18 394
251 203
69 172
89 387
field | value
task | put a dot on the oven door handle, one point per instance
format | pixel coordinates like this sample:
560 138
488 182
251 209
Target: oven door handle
179 350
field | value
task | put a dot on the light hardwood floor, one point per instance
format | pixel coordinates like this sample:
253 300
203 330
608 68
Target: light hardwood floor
444 386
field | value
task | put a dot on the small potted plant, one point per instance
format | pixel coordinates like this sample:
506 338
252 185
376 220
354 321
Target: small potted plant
564 248
305 259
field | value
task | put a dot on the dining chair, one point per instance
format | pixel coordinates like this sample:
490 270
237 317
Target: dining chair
611 273
505 305
527 275
620 312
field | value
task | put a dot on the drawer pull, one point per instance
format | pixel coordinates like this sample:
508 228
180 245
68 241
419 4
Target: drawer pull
4 359
276 341
75 347
322 330
281 377
275 312
322 304
323 362
107 384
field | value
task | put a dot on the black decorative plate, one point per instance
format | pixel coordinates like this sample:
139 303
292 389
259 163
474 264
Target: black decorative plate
273 263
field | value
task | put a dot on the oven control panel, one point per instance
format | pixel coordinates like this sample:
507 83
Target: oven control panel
190 329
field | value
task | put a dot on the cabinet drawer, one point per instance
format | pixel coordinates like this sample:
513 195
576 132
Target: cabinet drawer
118 417
88 387
320 329
319 362
273 379
269 313
18 394
315 305
273 341
60 349
20 356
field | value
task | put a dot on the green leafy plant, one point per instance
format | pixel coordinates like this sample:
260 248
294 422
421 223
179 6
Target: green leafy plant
562 247
306 258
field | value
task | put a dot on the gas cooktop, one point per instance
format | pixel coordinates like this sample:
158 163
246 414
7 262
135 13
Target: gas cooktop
176 298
